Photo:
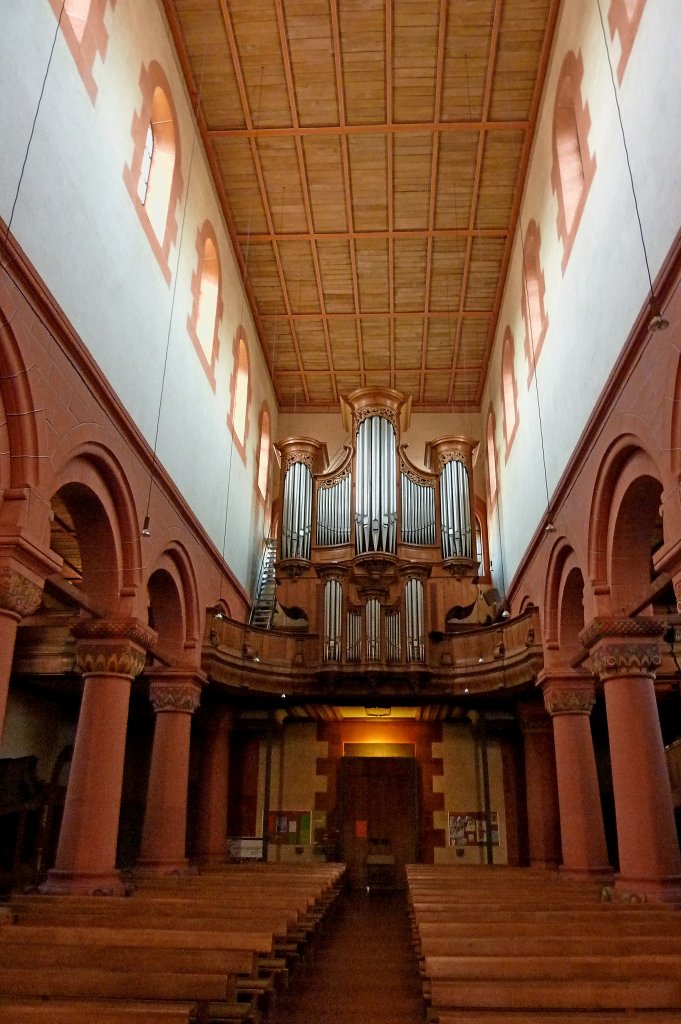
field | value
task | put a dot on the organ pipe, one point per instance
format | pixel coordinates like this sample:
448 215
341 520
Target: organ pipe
376 486
455 511
333 512
333 617
414 609
418 511
373 630
296 526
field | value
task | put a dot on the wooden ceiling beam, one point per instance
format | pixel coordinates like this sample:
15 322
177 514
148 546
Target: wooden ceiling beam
384 128
432 202
347 188
243 97
350 236
411 314
390 181
473 215
304 181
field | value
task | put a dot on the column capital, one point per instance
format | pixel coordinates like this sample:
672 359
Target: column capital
112 646
624 647
567 693
19 595
176 690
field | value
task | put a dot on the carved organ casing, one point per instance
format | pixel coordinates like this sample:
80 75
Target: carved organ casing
366 543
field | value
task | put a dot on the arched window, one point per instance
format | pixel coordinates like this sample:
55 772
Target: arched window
264 453
491 458
240 392
159 159
624 17
481 539
532 298
153 177
204 320
77 11
573 168
82 25
509 389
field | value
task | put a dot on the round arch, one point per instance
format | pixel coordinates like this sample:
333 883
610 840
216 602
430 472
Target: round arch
174 602
615 521
25 422
93 467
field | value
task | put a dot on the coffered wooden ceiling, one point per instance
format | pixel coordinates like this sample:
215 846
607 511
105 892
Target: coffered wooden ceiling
370 157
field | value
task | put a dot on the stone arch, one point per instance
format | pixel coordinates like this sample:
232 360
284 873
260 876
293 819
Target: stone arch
90 479
174 610
559 556
571 611
628 474
24 427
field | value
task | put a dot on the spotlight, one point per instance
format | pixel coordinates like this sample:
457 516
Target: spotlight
146 532
480 660
549 528
657 322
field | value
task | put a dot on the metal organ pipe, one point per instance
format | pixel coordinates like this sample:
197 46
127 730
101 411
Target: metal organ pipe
376 486
414 605
455 510
333 513
333 611
297 512
418 511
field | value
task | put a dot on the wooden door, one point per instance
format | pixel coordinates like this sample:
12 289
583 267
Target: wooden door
379 801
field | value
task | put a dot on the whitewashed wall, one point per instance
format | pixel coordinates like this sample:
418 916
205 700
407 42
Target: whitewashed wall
75 220
592 306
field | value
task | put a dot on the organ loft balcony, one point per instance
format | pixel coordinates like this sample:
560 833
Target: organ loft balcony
377 582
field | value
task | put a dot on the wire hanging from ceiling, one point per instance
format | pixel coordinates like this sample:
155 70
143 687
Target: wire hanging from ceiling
146 526
8 226
549 526
247 253
656 321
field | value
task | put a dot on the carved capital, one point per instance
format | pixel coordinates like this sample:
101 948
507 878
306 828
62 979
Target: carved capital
109 658
112 646
624 647
176 695
569 698
625 658
18 594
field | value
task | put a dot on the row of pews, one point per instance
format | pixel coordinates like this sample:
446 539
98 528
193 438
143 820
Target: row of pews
499 945
214 948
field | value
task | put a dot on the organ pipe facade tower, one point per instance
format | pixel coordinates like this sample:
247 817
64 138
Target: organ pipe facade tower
376 555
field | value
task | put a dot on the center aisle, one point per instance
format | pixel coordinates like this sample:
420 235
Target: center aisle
364 972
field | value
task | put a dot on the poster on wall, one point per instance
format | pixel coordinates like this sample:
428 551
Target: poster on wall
291 828
469 828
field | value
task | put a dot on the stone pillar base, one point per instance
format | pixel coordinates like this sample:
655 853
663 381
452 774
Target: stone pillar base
72 883
600 873
206 861
544 865
154 868
648 890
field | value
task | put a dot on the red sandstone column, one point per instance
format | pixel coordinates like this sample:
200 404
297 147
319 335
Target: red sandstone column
211 847
543 821
175 695
110 655
625 654
569 699
19 596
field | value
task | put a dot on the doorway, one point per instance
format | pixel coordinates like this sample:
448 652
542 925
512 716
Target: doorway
379 815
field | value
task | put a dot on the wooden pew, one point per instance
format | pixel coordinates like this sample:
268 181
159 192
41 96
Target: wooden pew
57 1011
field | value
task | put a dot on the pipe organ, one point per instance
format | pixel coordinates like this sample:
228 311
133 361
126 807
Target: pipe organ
374 550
